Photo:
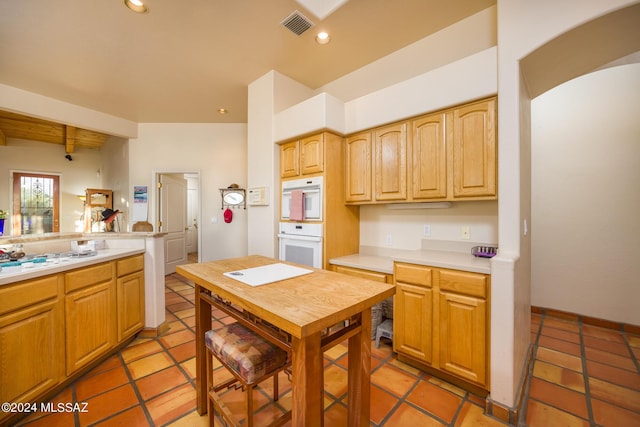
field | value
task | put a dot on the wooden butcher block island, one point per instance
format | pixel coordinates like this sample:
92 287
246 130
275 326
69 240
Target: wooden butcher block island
299 314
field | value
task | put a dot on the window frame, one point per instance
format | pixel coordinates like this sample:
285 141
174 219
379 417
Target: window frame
16 197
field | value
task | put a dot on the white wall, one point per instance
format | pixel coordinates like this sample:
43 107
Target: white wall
114 174
262 166
218 152
406 226
523 26
585 171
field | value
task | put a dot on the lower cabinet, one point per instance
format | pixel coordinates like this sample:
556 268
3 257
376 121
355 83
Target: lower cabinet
90 306
31 339
441 320
413 312
130 296
54 326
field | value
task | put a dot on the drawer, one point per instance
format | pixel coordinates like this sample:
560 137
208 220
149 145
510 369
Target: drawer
365 274
28 292
413 274
129 265
88 276
461 282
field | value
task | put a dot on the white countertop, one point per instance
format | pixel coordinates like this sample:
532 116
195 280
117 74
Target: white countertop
27 271
381 260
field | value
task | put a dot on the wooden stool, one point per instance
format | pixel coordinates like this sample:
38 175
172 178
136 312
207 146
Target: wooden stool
251 359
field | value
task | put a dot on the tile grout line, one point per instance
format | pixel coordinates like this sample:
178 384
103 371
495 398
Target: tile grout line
585 374
141 402
630 349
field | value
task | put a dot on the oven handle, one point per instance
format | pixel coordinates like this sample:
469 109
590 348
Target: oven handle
297 237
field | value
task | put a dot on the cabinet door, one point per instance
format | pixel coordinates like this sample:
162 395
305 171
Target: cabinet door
358 168
463 341
90 324
289 160
474 150
390 165
429 150
31 351
412 321
130 302
312 155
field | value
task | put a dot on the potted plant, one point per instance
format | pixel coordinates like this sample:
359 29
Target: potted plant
3 216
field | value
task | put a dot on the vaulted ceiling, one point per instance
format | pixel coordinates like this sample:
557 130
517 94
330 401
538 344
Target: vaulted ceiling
183 60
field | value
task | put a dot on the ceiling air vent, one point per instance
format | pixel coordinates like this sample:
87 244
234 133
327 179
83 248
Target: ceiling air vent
297 23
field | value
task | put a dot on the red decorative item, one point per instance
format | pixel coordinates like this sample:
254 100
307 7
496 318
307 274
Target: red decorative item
228 216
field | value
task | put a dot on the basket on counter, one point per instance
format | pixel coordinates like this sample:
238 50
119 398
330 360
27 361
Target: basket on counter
484 251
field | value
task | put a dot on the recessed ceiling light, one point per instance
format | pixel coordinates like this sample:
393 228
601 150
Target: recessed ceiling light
222 111
323 37
136 5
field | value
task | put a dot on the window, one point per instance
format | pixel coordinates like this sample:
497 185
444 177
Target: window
36 203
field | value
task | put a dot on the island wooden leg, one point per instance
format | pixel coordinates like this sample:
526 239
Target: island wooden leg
203 324
360 373
307 382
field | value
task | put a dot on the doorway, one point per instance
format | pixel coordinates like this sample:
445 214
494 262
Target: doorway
178 216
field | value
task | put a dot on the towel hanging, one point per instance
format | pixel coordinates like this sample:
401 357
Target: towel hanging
297 206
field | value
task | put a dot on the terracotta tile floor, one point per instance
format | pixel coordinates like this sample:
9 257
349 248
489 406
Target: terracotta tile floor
582 376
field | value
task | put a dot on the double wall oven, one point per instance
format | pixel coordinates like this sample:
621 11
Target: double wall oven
301 240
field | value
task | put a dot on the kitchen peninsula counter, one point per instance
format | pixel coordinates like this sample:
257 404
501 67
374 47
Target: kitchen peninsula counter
449 255
29 270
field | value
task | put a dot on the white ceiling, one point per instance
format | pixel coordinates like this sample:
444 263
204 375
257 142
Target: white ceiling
185 59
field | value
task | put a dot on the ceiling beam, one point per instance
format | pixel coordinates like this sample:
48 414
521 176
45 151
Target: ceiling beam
69 138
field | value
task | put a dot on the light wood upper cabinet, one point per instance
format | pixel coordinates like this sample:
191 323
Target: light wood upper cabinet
302 157
390 162
289 160
474 150
449 155
429 149
358 167
312 154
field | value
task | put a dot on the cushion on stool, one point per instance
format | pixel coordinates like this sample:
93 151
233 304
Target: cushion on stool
244 351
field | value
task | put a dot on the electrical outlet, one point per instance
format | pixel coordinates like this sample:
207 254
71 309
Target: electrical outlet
465 233
426 230
388 240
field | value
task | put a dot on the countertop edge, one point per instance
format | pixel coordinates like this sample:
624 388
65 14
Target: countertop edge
442 259
103 256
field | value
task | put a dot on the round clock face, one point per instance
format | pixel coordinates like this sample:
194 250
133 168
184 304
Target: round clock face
233 198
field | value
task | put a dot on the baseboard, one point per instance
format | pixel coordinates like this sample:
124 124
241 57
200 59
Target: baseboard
505 413
154 332
587 320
